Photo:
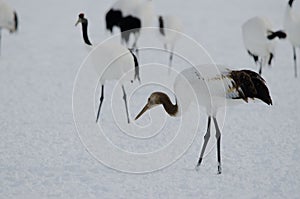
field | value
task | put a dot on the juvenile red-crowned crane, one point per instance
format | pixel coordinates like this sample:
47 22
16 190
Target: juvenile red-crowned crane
213 90
130 16
170 28
8 18
292 29
125 61
259 40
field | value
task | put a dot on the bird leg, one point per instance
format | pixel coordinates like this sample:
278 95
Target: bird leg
260 66
101 100
218 137
295 60
125 100
134 46
165 47
171 58
206 138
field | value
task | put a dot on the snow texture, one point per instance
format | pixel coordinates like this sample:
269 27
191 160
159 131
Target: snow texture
41 155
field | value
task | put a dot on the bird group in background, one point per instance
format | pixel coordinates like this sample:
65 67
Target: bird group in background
216 86
8 19
259 37
130 16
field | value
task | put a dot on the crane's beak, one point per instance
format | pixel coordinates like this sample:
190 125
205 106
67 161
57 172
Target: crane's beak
146 107
78 21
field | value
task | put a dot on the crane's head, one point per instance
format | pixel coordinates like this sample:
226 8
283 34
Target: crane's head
153 100
81 19
158 98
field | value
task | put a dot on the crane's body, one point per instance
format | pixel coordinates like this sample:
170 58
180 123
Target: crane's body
111 61
259 40
215 87
130 16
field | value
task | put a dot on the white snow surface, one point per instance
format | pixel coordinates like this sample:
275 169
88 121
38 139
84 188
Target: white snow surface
42 156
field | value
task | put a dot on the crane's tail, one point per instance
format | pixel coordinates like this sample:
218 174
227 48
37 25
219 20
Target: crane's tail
279 34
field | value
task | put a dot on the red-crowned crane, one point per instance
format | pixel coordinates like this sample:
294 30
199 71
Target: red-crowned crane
126 61
259 40
214 89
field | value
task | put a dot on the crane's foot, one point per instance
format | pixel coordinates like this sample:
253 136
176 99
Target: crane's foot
219 169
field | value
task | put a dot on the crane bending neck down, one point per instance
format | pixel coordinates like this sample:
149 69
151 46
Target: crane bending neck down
157 98
211 92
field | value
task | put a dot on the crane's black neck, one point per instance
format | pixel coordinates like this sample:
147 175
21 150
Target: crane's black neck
161 25
291 3
85 31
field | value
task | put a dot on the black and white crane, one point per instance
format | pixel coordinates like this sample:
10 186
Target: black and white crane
259 40
125 61
130 16
214 89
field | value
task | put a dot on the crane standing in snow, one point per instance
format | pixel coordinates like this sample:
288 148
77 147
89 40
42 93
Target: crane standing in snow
125 61
214 90
259 40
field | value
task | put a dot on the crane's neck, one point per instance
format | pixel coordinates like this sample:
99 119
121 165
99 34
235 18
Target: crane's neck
161 25
16 21
85 33
291 3
171 109
288 12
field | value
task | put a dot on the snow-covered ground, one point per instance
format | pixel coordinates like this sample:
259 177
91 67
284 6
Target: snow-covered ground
42 156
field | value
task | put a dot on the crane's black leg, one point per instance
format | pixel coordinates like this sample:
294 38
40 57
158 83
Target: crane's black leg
295 60
206 138
125 100
165 46
134 46
218 137
171 59
260 67
101 101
